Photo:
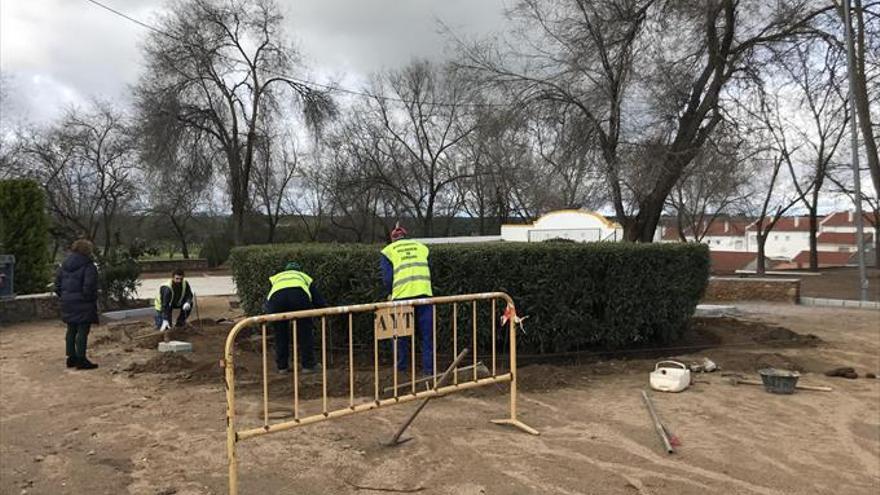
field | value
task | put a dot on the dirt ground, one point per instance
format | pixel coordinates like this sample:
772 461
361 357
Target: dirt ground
145 424
840 283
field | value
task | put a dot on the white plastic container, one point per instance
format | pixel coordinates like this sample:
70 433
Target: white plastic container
670 376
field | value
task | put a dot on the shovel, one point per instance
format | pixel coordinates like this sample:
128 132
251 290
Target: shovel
395 440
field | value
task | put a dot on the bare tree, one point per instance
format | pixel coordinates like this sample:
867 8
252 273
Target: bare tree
820 124
179 169
565 149
716 183
769 137
637 80
275 167
872 218
773 206
85 162
866 69
221 67
413 140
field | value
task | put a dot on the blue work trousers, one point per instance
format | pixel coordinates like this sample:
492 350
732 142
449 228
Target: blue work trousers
424 324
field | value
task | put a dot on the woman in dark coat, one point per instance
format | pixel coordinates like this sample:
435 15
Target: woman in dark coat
76 283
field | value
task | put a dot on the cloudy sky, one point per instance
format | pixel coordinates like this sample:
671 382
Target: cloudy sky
54 53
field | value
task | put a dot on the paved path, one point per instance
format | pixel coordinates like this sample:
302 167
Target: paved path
207 285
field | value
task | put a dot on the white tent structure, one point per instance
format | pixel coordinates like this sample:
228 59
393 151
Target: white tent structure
576 225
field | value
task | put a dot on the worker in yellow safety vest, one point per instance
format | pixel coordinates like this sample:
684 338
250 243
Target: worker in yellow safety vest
173 294
406 274
294 290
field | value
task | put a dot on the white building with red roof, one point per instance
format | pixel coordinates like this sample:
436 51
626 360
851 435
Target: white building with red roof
786 240
844 221
722 234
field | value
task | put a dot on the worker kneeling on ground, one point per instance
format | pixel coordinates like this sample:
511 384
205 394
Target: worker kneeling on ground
406 274
174 294
293 290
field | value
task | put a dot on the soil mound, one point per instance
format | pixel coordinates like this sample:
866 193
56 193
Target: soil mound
166 362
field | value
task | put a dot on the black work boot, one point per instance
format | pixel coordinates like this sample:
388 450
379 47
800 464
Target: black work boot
72 362
85 364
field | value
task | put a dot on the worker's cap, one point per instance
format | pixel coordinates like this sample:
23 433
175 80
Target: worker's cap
398 233
293 265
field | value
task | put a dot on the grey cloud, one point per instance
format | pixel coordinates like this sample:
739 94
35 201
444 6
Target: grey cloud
65 51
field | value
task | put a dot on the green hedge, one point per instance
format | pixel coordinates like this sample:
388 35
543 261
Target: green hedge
24 232
576 295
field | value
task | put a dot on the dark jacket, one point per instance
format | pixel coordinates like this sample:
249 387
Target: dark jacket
76 283
295 299
169 298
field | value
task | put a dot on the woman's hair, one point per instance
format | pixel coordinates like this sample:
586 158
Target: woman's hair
82 246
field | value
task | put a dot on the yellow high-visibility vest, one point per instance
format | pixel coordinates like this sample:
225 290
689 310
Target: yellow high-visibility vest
157 303
412 275
288 279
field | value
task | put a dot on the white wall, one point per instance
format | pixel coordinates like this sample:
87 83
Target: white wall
780 244
577 225
725 242
847 229
838 248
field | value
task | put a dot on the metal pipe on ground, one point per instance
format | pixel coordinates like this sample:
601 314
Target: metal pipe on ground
395 440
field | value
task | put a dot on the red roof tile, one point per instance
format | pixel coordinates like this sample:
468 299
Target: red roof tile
846 219
718 228
825 258
845 238
730 261
785 224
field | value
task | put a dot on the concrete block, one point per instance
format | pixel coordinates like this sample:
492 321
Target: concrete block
714 310
175 346
129 313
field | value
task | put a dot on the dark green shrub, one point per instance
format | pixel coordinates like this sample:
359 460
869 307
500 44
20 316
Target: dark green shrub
599 294
24 232
216 250
118 276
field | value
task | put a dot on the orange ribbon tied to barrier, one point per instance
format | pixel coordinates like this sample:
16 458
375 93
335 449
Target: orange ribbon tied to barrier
510 313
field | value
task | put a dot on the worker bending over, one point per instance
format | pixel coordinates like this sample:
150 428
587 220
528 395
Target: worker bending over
174 294
406 274
293 290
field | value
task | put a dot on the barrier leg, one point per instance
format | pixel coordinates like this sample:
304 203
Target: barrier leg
231 437
513 421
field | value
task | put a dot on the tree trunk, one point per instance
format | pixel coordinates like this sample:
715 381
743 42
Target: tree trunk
876 246
761 268
272 223
181 236
237 223
814 228
860 94
642 227
876 225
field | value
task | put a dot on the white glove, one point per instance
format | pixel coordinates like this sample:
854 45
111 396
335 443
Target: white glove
186 306
165 326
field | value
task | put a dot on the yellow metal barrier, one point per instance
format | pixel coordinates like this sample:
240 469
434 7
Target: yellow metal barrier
393 320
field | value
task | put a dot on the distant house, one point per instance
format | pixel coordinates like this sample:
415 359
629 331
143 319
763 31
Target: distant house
575 225
844 221
722 234
789 236
787 244
841 241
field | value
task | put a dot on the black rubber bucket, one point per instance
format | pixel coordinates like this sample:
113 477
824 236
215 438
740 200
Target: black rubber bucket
779 381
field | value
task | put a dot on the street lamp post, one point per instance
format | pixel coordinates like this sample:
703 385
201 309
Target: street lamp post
854 134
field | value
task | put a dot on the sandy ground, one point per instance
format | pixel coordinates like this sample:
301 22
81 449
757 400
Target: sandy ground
143 425
840 283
